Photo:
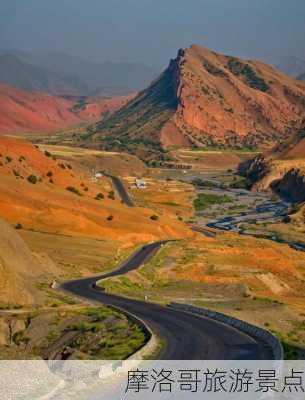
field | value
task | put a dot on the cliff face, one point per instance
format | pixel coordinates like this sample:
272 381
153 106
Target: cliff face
254 169
207 98
291 186
281 170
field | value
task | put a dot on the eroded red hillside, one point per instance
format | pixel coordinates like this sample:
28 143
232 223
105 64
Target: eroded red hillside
22 111
205 98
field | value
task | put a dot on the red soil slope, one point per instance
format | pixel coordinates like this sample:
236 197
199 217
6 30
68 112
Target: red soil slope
22 111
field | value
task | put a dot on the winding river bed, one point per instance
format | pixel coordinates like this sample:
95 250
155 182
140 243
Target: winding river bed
247 213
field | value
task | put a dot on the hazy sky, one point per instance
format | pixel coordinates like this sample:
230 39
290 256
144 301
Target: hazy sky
152 30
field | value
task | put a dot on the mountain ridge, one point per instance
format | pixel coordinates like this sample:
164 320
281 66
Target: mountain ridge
203 99
63 74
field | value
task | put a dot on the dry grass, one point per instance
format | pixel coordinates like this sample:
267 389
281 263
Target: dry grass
253 279
170 198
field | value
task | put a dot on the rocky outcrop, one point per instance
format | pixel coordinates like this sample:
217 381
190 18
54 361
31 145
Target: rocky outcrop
254 169
291 186
281 176
281 170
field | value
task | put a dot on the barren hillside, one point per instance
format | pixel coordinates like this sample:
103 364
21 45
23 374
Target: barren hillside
205 98
43 192
22 111
19 269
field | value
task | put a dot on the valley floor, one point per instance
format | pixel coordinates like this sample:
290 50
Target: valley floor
222 259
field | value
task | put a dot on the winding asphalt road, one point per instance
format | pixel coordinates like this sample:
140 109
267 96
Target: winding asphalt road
184 336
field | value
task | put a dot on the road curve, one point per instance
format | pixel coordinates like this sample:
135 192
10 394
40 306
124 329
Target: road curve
184 336
122 192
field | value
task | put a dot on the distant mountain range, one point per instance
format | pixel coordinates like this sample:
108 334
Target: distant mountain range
206 99
301 77
292 66
62 74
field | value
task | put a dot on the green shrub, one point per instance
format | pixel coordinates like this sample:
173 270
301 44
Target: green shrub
32 179
253 80
204 200
111 195
110 218
18 226
213 69
72 189
154 217
99 196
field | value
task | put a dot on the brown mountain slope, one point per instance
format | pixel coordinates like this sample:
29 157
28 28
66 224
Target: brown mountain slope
206 98
22 111
293 148
19 269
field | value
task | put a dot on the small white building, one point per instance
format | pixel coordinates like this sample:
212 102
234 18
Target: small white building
141 184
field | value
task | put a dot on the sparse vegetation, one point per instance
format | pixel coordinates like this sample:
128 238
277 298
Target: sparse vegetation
204 200
204 183
253 80
74 190
154 217
32 179
111 195
95 333
213 69
99 196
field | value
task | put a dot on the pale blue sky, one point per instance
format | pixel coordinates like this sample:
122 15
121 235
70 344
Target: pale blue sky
151 31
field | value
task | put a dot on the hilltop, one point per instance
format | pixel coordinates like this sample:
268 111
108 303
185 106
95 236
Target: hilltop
204 98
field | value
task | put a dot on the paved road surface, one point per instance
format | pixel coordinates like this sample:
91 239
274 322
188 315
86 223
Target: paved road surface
185 336
120 188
